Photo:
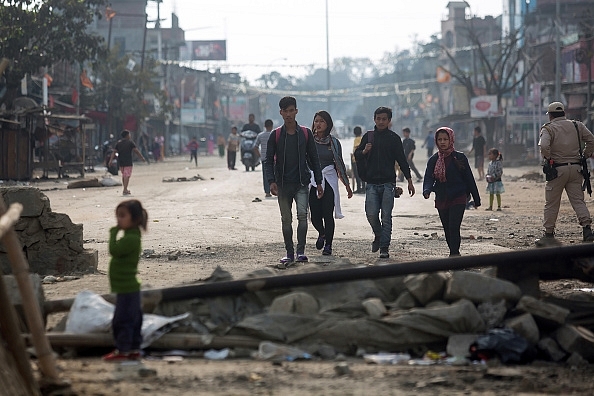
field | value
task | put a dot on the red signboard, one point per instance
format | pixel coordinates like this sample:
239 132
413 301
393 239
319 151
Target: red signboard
208 50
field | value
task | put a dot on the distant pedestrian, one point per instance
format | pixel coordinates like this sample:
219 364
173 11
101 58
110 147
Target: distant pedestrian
479 148
494 173
360 184
232 147
193 147
251 125
409 147
123 281
124 149
210 144
221 143
156 149
143 145
288 164
261 145
429 142
449 176
325 209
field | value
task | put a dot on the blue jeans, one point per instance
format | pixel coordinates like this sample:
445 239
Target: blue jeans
380 197
127 322
287 193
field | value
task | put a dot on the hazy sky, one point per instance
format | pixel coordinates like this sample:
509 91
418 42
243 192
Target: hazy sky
286 35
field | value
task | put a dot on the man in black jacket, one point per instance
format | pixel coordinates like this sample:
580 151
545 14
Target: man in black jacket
381 149
291 153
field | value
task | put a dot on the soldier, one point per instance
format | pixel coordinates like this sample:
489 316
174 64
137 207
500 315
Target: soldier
560 141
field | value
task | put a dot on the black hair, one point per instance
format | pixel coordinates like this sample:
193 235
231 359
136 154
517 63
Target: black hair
137 212
383 110
357 131
268 123
233 128
496 153
125 133
477 129
406 129
326 116
286 102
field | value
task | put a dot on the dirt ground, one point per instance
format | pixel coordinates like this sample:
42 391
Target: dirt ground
215 222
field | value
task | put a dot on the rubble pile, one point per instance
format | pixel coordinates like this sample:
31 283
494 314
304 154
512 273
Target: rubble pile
51 242
455 312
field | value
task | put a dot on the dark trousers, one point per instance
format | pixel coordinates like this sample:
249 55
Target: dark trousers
360 183
322 212
265 179
194 156
231 155
413 168
451 220
127 322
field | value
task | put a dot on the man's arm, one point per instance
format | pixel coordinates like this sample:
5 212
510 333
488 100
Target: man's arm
588 139
359 156
545 143
138 153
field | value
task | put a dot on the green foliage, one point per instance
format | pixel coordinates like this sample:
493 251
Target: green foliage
36 34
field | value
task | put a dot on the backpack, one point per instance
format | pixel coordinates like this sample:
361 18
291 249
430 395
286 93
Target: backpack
362 165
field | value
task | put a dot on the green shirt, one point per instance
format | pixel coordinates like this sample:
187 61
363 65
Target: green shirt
123 267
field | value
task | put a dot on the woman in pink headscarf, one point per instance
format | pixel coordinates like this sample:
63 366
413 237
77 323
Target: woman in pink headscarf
449 175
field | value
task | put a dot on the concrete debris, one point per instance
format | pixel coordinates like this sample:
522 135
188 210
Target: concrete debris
551 349
479 288
405 301
51 242
375 308
492 313
426 287
297 302
459 344
547 312
576 339
525 326
576 360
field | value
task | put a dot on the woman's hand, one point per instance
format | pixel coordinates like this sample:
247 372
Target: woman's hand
426 195
349 192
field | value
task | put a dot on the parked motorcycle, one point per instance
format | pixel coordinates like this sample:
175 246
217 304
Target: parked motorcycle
108 149
250 156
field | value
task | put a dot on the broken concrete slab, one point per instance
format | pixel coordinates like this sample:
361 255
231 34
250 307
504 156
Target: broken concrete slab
479 288
547 312
551 349
33 200
492 313
296 302
405 301
426 287
576 339
525 326
375 307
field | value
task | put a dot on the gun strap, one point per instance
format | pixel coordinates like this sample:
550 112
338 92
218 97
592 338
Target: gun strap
578 135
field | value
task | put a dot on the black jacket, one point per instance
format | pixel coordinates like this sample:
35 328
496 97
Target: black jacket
308 157
460 181
387 150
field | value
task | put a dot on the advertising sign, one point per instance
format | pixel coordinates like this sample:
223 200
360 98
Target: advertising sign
483 106
193 116
208 50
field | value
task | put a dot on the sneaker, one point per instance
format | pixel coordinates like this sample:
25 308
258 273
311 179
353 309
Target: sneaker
116 356
135 354
499 209
327 250
302 258
384 253
320 242
268 195
547 240
375 245
289 258
489 208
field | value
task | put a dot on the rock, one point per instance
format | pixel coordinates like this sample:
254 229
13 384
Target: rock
426 287
296 302
492 313
479 288
342 368
576 339
437 304
525 326
547 312
33 200
405 301
550 348
459 344
576 360
326 352
375 307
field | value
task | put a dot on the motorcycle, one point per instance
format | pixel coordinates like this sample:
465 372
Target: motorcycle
108 149
250 156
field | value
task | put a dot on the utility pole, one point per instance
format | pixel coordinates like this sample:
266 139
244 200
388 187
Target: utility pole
328 61
557 51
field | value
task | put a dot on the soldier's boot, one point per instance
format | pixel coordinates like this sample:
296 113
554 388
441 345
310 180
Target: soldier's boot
548 240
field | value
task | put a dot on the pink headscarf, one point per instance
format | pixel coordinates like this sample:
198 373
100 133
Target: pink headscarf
440 169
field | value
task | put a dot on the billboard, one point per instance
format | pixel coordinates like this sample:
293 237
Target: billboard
208 50
483 106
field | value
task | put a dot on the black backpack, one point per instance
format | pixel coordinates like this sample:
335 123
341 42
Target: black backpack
362 164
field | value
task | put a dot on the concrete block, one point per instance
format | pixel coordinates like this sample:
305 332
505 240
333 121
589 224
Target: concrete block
459 344
548 312
576 339
525 326
33 200
405 301
479 288
426 287
375 308
492 313
296 302
550 347
576 360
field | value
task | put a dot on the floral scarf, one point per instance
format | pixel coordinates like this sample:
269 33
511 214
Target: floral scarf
440 168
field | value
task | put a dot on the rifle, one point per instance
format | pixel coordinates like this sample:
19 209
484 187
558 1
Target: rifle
586 186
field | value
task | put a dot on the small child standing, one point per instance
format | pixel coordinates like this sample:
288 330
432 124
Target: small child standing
123 267
193 147
493 177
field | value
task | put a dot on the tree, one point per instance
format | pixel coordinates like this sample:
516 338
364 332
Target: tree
37 34
500 70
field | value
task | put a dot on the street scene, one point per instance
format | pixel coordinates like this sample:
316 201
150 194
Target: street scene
192 205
